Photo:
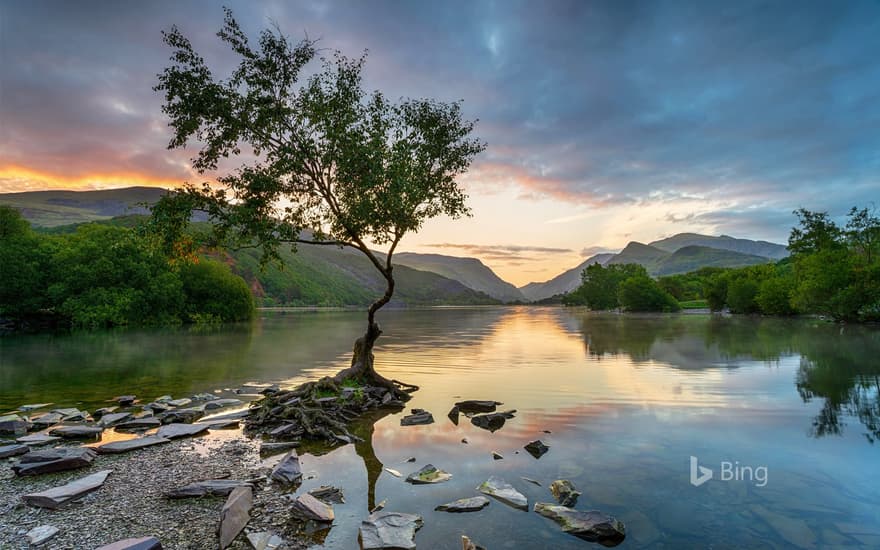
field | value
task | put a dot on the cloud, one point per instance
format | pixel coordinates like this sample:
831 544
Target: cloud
589 251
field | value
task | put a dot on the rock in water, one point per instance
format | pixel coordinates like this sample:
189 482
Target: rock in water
428 474
468 544
564 492
273 448
210 488
235 514
418 417
591 526
393 472
175 431
116 447
328 494
77 432
475 406
453 415
497 456
125 400
537 448
222 403
473 504
182 415
39 535
13 450
265 541
138 425
113 418
498 488
12 424
288 470
385 530
142 543
492 421
307 507
182 402
53 460
34 406
55 498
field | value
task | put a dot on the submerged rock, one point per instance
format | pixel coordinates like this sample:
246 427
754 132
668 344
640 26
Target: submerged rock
13 450
77 432
176 431
498 488
307 507
473 504
592 526
428 474
328 494
53 460
40 535
209 488
56 497
418 417
564 492
235 514
142 543
537 448
265 540
476 406
288 470
385 530
492 421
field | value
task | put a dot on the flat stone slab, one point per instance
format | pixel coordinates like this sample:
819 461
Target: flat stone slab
139 424
182 415
176 431
492 421
237 415
274 448
12 424
125 400
40 535
142 543
265 540
34 406
564 492
108 420
384 530
104 410
235 514
69 411
183 402
307 507
53 460
328 494
477 406
13 450
58 496
77 432
37 439
417 418
222 404
592 526
207 488
288 470
473 504
537 448
47 419
117 447
499 489
429 474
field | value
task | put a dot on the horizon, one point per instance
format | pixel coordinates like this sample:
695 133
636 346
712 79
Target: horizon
606 123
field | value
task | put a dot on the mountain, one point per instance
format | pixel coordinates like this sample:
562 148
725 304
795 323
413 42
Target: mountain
638 253
54 208
745 246
564 282
469 271
691 258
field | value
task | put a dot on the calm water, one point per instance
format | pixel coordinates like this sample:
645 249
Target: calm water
628 401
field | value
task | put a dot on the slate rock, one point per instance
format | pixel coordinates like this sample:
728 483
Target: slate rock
13 450
108 420
12 424
477 406
564 492
307 507
592 526
56 497
182 402
104 410
267 448
537 448
222 403
453 415
139 425
142 543
288 470
176 431
497 456
40 535
473 504
34 406
207 488
428 474
499 489
328 494
46 420
492 421
53 460
77 432
37 439
384 530
235 514
468 544
117 447
418 417
125 400
186 416
265 541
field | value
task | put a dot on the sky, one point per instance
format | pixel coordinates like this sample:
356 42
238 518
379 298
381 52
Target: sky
606 122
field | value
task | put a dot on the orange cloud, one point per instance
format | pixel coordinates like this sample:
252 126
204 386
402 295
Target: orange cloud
14 178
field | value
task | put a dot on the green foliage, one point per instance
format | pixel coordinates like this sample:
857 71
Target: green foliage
715 291
774 295
24 266
642 293
212 289
600 285
694 304
741 295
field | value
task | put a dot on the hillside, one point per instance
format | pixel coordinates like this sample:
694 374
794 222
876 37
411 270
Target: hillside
469 271
744 246
638 253
564 282
54 208
691 258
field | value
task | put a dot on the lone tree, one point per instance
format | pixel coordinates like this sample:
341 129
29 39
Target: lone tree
326 163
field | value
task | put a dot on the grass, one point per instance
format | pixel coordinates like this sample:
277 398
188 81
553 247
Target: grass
694 304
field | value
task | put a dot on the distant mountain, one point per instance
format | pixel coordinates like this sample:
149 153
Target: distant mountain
691 258
469 271
54 208
638 253
563 283
745 246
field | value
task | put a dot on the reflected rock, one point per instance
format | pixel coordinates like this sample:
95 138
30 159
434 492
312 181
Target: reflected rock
385 530
564 492
56 497
592 526
235 514
418 417
141 543
498 488
537 448
473 504
53 460
492 421
288 470
428 474
475 406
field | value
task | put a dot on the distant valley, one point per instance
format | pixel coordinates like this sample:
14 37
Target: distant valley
321 275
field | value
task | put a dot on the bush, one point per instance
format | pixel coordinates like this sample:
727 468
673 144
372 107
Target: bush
642 293
741 294
213 291
774 296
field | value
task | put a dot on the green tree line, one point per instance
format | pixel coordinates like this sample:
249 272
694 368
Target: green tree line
103 276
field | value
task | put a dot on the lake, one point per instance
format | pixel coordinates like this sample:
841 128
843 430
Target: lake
785 413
